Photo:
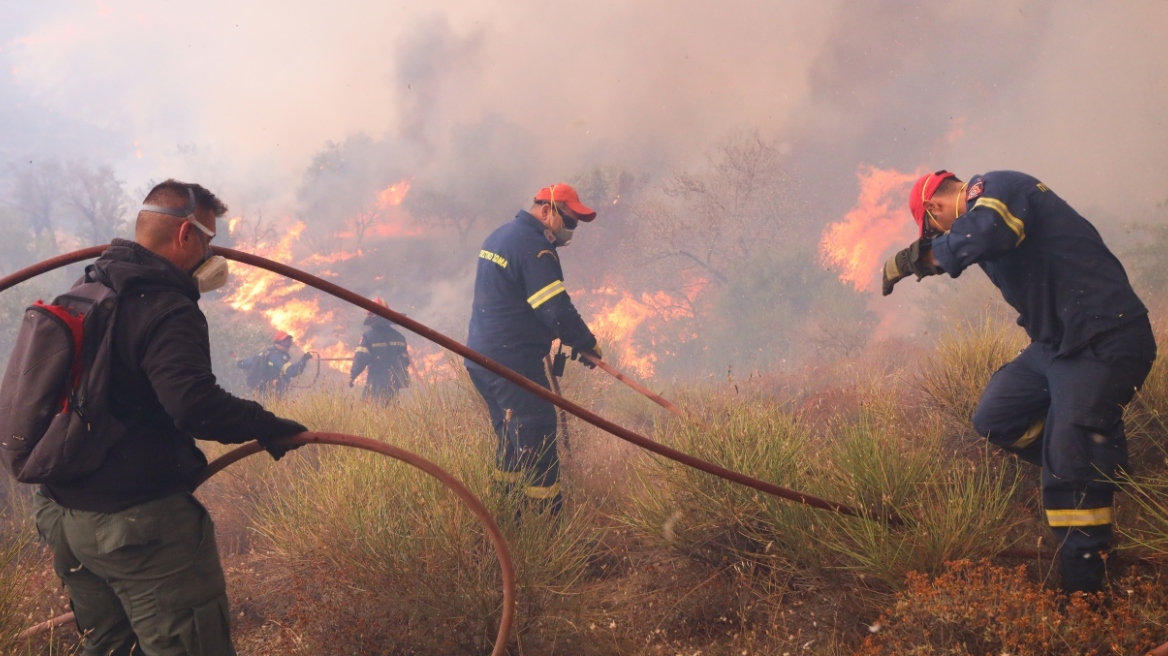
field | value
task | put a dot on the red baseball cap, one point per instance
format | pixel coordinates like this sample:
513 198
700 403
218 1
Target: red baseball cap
922 191
562 193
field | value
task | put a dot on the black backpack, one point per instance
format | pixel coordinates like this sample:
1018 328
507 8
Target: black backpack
55 424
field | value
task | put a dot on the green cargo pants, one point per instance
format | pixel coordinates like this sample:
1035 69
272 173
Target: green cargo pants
143 581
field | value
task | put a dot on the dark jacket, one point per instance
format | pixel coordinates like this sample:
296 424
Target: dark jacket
383 352
163 390
1049 262
520 302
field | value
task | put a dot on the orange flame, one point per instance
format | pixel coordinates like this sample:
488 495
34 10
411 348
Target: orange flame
431 367
877 222
619 323
233 224
394 194
338 350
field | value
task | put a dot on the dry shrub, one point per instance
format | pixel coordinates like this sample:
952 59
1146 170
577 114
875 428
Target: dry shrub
713 520
15 538
979 608
962 363
883 463
889 462
384 559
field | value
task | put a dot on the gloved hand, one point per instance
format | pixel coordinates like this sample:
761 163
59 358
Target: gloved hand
909 261
351 380
578 354
287 428
305 358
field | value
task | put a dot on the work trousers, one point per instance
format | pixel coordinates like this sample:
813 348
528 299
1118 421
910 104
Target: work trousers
144 581
526 429
381 387
1065 414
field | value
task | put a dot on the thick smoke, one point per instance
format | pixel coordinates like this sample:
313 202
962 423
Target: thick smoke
305 111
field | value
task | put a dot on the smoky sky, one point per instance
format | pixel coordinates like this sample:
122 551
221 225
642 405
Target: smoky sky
243 94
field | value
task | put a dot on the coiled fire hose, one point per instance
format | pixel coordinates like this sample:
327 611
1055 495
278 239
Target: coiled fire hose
338 439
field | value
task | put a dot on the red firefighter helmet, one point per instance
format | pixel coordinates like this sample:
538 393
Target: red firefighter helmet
281 336
380 301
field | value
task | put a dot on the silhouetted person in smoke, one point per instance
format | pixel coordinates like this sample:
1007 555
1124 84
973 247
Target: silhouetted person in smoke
382 352
134 548
272 371
1060 403
520 306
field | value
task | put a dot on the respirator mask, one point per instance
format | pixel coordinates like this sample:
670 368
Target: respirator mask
212 273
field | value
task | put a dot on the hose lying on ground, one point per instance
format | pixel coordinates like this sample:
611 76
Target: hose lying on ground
366 444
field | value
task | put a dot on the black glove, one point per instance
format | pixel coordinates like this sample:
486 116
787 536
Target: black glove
305 358
351 380
578 354
909 261
287 428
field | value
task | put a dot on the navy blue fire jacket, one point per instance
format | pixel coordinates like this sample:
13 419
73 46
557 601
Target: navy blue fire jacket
520 302
1049 262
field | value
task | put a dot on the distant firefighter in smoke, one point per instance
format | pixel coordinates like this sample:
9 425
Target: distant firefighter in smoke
520 306
382 352
1060 403
271 371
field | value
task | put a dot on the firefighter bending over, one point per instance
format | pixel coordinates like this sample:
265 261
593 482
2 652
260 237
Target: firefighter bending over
383 353
272 371
1059 404
520 306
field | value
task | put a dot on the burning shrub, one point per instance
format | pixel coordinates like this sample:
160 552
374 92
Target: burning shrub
382 554
979 608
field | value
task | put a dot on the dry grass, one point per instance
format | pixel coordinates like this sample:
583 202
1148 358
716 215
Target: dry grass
339 551
961 364
415 561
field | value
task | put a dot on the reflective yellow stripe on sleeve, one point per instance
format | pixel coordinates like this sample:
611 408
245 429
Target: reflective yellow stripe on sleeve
506 476
362 349
547 293
285 368
1079 517
1012 222
539 492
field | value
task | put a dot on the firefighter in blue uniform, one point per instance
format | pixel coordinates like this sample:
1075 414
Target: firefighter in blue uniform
1060 403
382 352
520 306
271 372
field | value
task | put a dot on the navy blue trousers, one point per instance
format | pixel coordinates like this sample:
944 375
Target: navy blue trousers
1065 414
526 429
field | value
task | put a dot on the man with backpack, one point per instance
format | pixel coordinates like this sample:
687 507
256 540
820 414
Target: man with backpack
272 371
134 548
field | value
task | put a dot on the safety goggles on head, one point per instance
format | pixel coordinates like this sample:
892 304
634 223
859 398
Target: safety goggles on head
186 212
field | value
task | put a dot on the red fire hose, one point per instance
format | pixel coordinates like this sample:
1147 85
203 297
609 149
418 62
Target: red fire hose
515 378
481 360
338 439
